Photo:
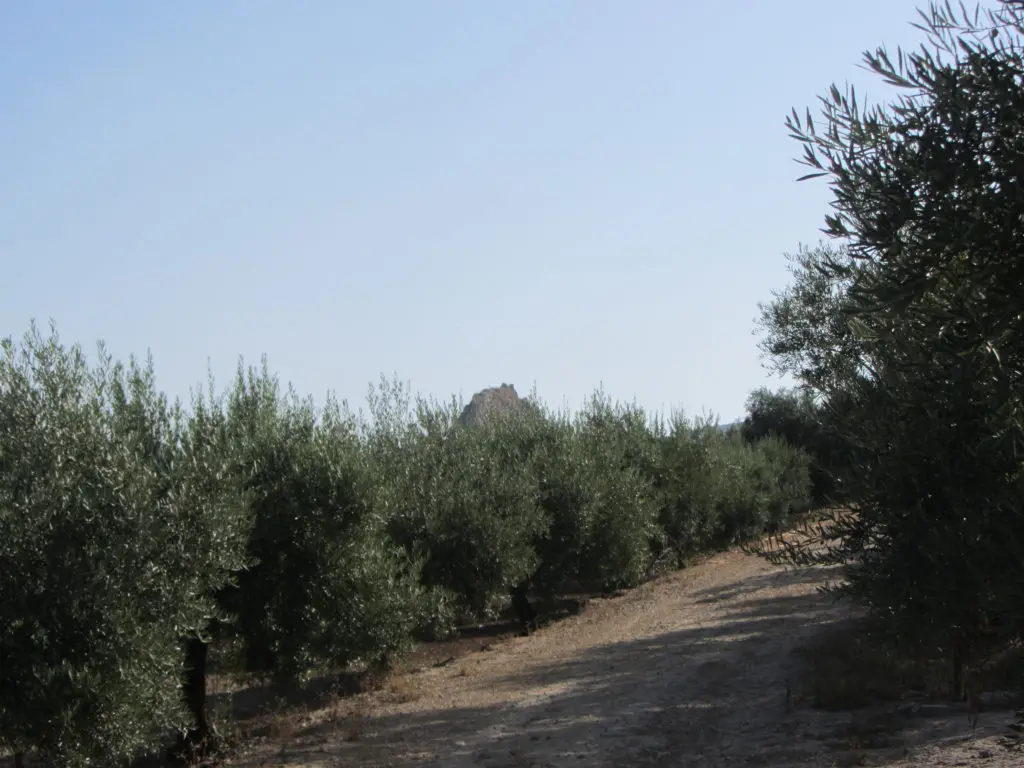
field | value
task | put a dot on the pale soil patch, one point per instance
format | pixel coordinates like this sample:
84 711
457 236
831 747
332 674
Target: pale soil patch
688 670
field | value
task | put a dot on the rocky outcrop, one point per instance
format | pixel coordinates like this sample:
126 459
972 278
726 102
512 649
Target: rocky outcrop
489 401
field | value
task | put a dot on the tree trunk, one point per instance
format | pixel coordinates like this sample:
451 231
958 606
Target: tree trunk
194 691
521 603
960 648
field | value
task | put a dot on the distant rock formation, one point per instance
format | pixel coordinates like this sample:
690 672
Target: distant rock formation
489 401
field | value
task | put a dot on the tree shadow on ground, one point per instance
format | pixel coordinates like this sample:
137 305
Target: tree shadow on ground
703 695
688 697
754 584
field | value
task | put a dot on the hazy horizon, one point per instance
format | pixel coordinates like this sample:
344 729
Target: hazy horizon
565 195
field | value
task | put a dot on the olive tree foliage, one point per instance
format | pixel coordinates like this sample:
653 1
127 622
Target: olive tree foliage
796 417
791 415
528 499
454 499
117 524
910 325
688 486
325 586
758 487
547 443
620 521
595 519
714 489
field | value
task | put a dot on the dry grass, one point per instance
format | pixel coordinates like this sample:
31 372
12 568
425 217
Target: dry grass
402 689
355 723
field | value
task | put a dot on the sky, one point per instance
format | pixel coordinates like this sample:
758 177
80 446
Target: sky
560 194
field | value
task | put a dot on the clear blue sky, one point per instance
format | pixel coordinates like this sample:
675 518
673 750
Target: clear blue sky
558 192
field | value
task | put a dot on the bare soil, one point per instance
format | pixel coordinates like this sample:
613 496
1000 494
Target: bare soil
697 668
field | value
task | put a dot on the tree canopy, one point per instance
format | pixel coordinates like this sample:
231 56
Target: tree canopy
908 323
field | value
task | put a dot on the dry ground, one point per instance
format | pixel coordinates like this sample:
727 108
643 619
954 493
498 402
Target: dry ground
688 670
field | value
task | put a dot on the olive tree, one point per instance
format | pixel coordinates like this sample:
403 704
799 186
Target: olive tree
796 417
911 324
115 530
325 585
457 500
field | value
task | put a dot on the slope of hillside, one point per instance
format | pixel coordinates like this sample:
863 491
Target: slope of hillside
691 669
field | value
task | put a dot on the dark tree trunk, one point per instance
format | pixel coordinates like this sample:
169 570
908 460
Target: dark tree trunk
194 691
960 649
521 604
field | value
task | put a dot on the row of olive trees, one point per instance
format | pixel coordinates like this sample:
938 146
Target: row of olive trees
804 421
909 328
535 501
133 534
136 535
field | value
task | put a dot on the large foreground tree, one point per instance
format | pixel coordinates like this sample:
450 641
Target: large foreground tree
910 325
117 524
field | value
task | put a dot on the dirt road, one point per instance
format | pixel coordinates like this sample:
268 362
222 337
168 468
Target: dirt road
689 670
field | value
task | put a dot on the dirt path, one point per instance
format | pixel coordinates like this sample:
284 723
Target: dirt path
688 670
